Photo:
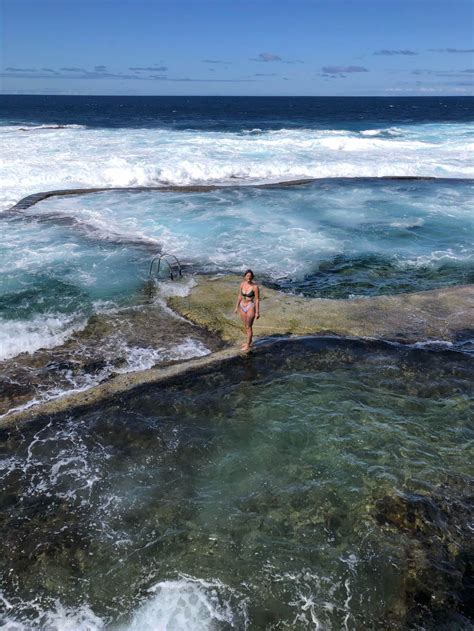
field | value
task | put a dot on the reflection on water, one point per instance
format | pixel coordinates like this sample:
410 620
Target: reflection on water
316 484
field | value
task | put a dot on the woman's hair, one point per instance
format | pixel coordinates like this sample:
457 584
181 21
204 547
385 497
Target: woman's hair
249 271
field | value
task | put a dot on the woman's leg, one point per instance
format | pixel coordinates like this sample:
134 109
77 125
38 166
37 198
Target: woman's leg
248 323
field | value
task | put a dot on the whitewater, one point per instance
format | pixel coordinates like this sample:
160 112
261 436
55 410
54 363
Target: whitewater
38 158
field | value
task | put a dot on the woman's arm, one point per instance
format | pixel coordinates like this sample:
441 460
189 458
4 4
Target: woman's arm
239 298
257 302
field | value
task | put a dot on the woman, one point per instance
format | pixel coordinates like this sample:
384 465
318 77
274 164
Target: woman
248 305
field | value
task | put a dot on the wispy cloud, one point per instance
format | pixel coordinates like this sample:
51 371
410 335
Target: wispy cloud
266 74
443 73
101 72
451 50
388 53
73 69
149 68
266 57
271 57
63 73
192 80
340 72
215 61
20 69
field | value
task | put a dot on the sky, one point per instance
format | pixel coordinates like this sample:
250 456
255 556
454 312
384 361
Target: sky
237 47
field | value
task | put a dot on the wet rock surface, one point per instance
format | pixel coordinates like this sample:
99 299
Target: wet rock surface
131 339
442 314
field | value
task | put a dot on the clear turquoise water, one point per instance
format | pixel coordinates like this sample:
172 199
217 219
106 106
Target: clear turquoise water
240 498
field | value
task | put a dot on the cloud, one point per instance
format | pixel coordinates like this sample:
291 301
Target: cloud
451 50
265 74
99 72
64 73
340 72
266 57
215 61
191 80
271 57
150 69
388 53
444 73
20 70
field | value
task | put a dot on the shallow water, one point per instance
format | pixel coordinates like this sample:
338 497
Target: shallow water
244 497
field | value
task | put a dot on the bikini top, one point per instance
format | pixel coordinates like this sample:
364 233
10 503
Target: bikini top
251 294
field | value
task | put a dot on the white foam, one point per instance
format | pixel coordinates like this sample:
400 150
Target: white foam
139 358
50 126
436 257
184 605
60 618
391 131
187 349
82 157
408 223
181 288
45 331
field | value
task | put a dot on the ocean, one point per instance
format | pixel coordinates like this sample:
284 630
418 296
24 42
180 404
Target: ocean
268 494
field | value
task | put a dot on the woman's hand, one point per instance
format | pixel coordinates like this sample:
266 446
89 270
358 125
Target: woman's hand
257 315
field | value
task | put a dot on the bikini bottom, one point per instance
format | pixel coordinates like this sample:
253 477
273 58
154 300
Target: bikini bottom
246 307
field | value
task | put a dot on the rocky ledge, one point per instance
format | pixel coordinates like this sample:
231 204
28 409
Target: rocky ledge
443 314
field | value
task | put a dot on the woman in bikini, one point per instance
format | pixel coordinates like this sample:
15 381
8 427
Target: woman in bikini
248 305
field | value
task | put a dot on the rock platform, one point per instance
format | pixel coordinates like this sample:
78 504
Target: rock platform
443 314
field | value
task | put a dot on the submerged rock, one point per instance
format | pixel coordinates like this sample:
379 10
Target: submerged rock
435 535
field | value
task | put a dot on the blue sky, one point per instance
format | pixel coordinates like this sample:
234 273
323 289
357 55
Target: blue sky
230 47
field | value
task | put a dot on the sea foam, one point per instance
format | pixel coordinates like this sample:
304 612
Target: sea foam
42 331
82 157
185 604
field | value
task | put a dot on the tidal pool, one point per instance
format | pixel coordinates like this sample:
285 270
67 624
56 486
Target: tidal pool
316 484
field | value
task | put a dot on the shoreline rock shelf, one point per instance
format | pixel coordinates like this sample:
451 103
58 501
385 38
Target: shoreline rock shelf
443 314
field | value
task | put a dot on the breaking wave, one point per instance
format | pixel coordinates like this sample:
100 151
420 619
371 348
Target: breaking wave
85 157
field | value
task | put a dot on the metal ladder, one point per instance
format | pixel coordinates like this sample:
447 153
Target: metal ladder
164 257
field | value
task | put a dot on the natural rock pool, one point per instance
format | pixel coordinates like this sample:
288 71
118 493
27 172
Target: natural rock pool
317 483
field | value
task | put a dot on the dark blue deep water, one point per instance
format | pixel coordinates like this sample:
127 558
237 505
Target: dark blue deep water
234 113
